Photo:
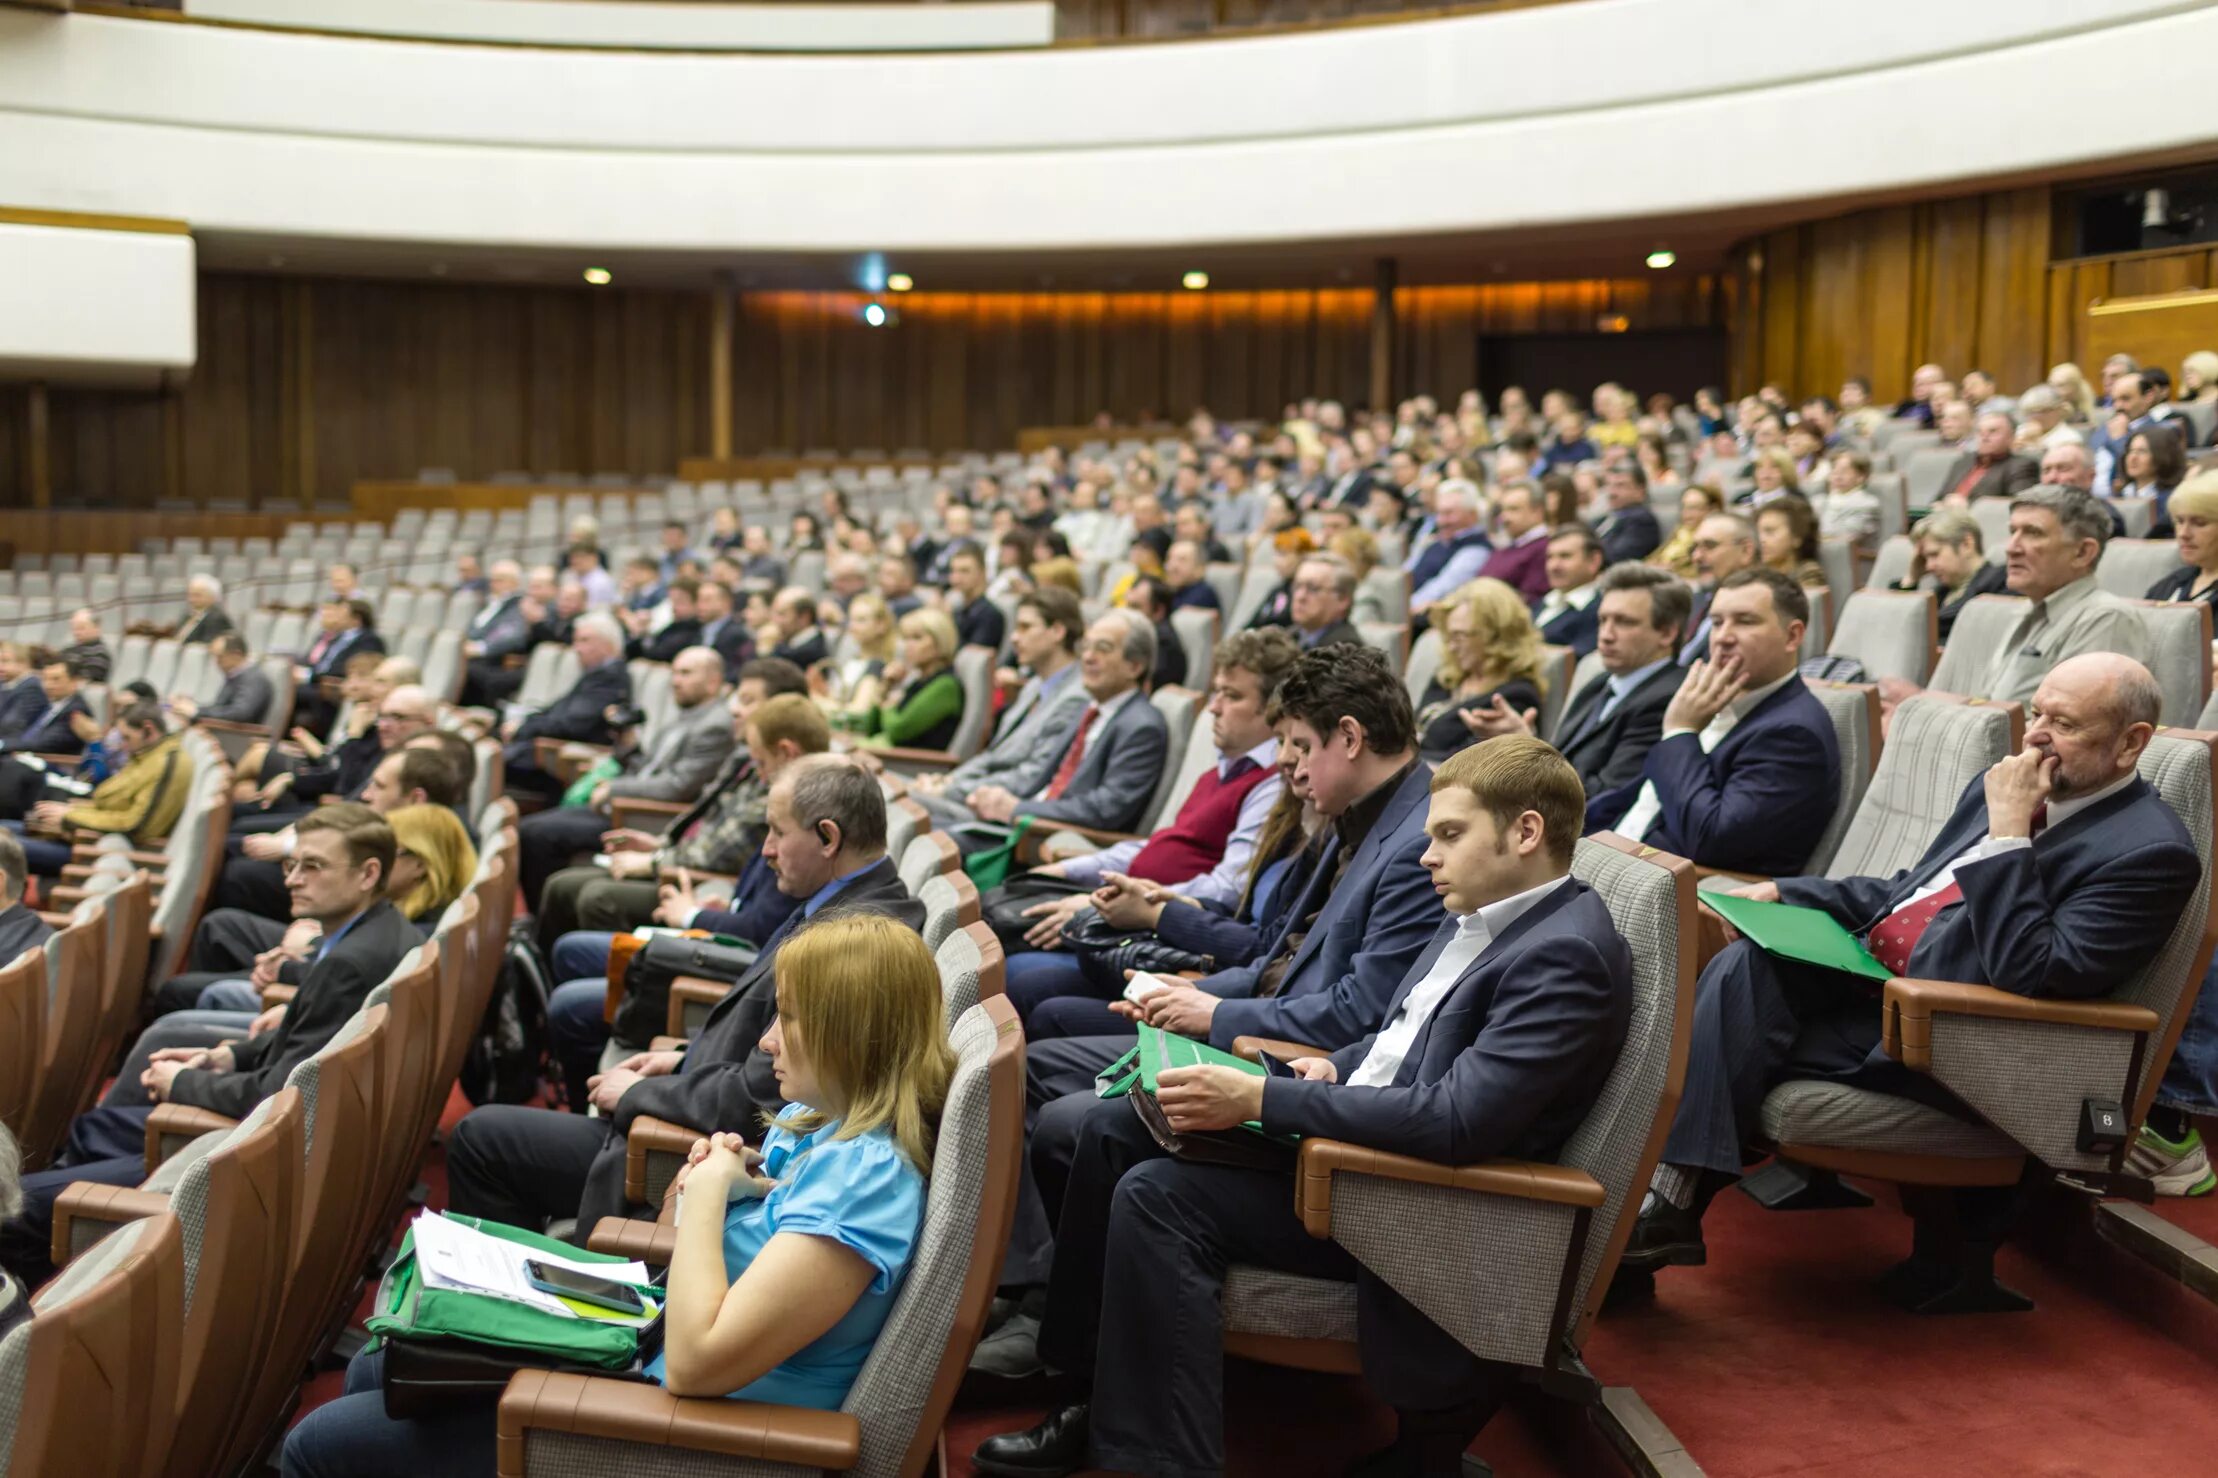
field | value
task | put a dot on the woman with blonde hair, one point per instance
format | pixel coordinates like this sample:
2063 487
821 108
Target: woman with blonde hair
2194 510
1774 473
1697 501
2198 376
1490 652
790 1252
433 862
923 705
2071 387
849 689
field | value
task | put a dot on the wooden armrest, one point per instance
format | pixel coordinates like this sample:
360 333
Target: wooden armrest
232 726
86 852
918 759
278 994
1738 878
669 1044
643 814
1906 1024
66 898
648 1415
650 1242
172 1125
566 759
1253 1048
1527 1180
649 1135
105 1205
691 990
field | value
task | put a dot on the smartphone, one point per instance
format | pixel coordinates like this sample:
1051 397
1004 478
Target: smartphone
584 1287
1273 1067
1144 984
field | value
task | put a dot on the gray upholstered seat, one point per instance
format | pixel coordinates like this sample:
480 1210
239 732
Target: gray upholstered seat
2179 655
1854 710
1935 747
965 958
1889 633
2128 567
974 670
1891 566
1196 627
1981 631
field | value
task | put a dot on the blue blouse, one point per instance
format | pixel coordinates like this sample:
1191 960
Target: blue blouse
861 1193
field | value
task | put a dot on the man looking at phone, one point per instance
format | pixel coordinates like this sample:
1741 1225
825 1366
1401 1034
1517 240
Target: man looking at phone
1496 1042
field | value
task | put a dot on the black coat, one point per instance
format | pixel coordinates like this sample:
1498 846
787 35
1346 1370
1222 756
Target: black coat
1611 753
580 714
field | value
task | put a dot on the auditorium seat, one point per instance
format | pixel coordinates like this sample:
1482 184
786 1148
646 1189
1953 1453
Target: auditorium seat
950 901
22 1034
1993 517
1516 1256
1390 637
1197 628
75 991
970 960
927 856
1423 664
87 1384
2128 567
2179 655
1557 666
1890 633
1818 630
2024 1065
1982 629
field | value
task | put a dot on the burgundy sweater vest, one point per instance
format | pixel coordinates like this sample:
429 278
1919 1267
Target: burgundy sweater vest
1195 842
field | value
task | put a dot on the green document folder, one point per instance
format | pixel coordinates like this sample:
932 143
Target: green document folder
1810 935
1159 1049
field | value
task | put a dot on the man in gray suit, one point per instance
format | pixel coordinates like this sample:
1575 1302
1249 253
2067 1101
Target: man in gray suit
1106 770
501 629
687 749
1046 634
245 695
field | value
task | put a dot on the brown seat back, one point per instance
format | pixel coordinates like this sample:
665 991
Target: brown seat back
88 1383
73 990
22 1033
123 975
411 1028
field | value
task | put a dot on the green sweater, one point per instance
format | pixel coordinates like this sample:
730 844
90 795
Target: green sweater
925 715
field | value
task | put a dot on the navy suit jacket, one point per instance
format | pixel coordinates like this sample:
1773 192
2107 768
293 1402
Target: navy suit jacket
1575 627
1509 1063
1756 803
502 629
2090 902
1629 533
21 704
732 642
54 736
1375 922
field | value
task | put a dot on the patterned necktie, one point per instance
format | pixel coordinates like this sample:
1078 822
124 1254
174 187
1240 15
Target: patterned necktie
1071 756
1896 937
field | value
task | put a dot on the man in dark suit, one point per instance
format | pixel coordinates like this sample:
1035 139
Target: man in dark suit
800 640
1724 544
1748 770
344 856
1610 724
978 621
1629 530
51 730
245 695
1990 469
22 694
1186 571
88 648
682 630
721 631
500 629
526 1166
349 631
1322 596
1496 1042
1149 597
20 926
205 618
2059 875
581 714
1566 615
1117 750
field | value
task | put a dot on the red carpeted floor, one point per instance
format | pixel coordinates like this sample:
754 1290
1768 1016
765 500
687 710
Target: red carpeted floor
1779 1358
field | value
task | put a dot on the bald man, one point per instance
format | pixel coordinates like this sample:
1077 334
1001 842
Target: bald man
2060 875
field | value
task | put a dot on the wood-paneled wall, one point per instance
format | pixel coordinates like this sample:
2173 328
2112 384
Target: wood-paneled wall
1961 282
2074 285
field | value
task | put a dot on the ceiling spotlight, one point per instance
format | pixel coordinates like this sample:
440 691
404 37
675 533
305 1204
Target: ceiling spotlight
900 282
1662 257
1194 282
874 314
599 276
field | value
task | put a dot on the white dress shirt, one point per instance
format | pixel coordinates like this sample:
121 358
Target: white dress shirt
1474 932
1224 882
1648 805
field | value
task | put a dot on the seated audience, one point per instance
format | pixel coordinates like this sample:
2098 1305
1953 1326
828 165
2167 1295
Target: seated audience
245 695
1724 544
1676 553
1992 469
662 643
205 617
385 708
1047 702
1772 475
1150 598
978 621
1748 770
1628 527
53 729
1949 554
604 684
923 702
1489 649
1566 615
1289 547
20 926
1848 508
1787 539
1457 551
2194 510
786 1272
2060 874
141 801
347 627
2056 540
826 843
1496 1042
2153 464
22 693
88 648
800 640
1186 571
1520 557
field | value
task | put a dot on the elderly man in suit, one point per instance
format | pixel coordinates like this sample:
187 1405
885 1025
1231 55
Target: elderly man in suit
1035 727
501 629
1748 769
205 618
1991 469
1724 544
2059 875
683 753
1321 597
1495 1042
1106 770
604 684
526 1166
722 632
245 695
1609 725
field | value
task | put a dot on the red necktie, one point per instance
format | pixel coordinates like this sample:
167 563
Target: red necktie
1071 757
1896 937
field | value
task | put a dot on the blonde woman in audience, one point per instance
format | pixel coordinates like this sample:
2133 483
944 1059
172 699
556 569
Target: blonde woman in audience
1061 571
923 705
1950 551
433 863
1360 548
2194 510
1787 539
1774 474
796 1237
1613 423
2198 376
1490 653
2072 388
1676 554
848 691
1848 508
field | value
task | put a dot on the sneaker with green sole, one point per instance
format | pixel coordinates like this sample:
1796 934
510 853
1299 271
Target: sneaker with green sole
2176 1167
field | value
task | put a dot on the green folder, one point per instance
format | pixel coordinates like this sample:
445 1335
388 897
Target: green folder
1810 935
1158 1049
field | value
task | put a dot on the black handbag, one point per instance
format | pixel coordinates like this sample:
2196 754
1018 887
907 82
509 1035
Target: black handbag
1105 952
1235 1149
1003 907
430 1378
645 1012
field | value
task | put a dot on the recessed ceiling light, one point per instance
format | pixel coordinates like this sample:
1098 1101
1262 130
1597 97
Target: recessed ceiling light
599 276
1194 282
899 282
1662 257
874 314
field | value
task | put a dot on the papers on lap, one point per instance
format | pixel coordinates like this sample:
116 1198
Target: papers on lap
450 1255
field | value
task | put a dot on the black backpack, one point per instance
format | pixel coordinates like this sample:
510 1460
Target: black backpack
507 1062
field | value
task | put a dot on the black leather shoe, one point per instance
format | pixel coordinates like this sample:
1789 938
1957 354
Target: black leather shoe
1666 1236
1055 1448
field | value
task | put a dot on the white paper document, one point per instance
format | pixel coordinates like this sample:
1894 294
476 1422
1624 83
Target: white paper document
451 1255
